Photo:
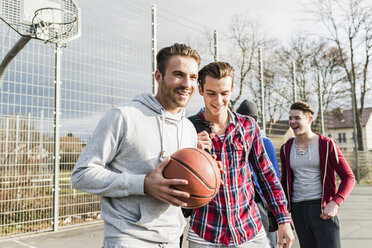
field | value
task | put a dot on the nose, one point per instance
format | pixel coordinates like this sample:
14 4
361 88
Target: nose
219 99
188 83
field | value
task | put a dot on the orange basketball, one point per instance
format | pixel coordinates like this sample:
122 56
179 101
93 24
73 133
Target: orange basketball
200 170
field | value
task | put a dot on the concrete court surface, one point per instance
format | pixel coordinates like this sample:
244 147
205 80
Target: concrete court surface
355 216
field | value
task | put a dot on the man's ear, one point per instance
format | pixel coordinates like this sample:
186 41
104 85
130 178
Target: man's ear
200 90
311 118
158 76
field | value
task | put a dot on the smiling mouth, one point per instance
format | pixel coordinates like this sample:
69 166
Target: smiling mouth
184 94
217 107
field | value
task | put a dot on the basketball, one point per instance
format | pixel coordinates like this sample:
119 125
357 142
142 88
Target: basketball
200 170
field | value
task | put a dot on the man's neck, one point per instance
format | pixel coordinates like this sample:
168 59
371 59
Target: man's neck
219 122
173 110
306 139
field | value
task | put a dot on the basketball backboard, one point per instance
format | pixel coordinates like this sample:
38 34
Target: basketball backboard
19 15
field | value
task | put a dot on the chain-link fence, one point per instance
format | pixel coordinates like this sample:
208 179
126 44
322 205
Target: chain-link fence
108 65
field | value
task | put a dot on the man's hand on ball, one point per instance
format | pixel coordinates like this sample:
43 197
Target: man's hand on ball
158 186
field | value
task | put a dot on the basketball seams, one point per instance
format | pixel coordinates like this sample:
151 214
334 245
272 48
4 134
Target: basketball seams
204 183
194 172
216 189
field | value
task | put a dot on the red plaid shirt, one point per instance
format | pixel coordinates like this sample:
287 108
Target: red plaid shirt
233 213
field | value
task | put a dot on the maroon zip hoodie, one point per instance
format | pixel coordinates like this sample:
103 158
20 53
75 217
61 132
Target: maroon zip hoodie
331 162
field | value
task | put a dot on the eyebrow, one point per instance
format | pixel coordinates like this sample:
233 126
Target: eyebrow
178 71
183 73
212 91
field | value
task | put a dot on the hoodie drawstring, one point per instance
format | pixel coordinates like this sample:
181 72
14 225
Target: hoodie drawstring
179 136
162 154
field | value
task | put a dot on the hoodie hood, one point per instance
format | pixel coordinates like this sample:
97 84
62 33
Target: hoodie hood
166 118
150 101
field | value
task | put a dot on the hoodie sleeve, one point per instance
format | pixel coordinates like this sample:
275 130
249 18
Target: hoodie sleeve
91 173
344 171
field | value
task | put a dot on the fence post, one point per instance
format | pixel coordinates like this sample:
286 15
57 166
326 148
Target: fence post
28 134
16 143
153 49
6 146
41 166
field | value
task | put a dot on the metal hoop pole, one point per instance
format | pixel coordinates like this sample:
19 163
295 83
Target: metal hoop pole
57 116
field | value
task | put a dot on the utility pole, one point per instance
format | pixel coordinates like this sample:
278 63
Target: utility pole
320 99
262 91
215 39
353 103
294 81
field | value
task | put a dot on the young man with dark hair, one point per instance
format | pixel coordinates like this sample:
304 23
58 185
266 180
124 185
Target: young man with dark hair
124 159
232 218
309 164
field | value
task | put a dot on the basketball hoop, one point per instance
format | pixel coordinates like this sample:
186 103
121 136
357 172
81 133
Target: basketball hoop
54 25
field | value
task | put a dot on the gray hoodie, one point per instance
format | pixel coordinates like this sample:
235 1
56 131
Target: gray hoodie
127 144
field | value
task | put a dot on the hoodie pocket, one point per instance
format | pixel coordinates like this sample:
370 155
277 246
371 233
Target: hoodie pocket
153 215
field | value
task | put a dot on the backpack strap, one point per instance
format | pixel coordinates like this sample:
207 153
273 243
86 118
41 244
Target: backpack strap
200 124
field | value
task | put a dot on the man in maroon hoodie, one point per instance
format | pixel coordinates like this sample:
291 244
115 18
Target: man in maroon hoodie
309 164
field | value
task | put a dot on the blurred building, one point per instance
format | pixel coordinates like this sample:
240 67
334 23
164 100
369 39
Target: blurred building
339 125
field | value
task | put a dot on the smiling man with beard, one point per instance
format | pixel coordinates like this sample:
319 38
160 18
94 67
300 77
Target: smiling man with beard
125 157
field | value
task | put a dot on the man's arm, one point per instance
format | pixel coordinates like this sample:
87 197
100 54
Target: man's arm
270 149
267 179
343 170
271 189
284 170
90 173
285 235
